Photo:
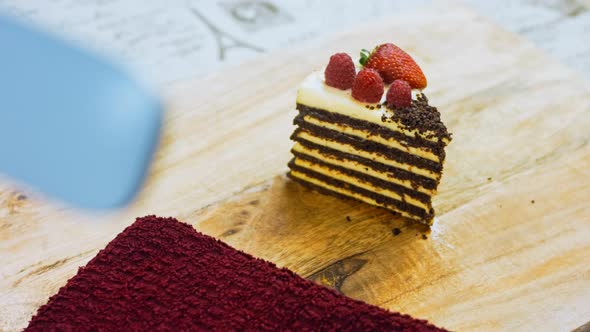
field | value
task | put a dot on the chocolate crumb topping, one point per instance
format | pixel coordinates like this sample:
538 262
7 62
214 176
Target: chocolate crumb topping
419 116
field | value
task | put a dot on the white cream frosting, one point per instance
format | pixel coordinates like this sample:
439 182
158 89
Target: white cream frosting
343 147
349 193
315 93
360 183
391 142
355 166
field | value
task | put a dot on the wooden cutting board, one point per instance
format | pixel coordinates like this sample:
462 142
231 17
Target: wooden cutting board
510 248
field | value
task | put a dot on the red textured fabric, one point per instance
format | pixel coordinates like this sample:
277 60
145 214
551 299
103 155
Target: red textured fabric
160 274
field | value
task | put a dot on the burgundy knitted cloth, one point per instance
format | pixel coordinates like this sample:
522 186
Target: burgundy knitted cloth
161 274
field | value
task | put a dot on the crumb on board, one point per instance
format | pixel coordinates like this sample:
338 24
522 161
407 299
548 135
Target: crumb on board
396 231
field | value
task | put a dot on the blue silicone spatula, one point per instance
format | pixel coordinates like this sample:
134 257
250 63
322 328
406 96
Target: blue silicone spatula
72 124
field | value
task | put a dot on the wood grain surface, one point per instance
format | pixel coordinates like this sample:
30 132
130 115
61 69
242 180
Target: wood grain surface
510 247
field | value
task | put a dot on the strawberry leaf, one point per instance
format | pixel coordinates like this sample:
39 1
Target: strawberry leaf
364 56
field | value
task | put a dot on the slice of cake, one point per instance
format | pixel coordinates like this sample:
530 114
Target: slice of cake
368 136
160 274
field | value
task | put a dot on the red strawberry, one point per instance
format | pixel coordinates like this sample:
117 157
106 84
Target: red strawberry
368 86
340 71
393 63
399 94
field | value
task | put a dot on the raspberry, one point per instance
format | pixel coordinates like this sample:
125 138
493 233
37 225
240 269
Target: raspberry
340 72
368 86
399 94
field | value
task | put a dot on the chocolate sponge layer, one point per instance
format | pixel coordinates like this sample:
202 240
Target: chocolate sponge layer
391 203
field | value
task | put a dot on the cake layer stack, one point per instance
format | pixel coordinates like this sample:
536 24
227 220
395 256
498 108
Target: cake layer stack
385 156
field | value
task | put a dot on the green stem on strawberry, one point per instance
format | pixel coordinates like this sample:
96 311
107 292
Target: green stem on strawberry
364 56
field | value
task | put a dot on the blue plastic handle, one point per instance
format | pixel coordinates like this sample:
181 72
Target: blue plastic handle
72 124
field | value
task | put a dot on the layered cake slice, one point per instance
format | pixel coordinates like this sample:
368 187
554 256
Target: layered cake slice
368 136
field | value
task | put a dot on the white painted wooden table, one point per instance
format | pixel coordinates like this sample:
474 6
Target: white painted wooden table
176 40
